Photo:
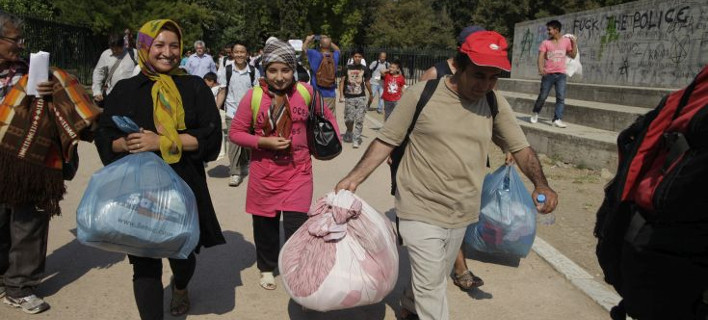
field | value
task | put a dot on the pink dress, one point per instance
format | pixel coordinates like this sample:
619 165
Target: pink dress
278 181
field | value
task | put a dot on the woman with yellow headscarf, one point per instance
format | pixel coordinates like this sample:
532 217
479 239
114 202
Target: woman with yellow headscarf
179 122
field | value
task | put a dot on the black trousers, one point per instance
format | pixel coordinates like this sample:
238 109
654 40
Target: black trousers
23 248
266 233
147 282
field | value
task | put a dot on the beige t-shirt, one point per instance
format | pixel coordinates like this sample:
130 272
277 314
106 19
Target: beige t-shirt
442 170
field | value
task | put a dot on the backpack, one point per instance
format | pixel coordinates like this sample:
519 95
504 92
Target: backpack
326 71
430 86
654 204
230 71
376 65
257 96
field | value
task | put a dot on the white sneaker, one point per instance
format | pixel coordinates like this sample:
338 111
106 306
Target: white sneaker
534 118
30 304
356 144
235 180
558 123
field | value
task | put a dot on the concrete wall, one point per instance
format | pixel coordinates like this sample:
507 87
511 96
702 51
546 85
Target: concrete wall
652 43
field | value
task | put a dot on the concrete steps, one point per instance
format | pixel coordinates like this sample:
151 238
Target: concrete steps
605 116
620 95
577 144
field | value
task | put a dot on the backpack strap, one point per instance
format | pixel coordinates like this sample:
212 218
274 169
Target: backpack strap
131 53
257 97
492 102
428 91
229 72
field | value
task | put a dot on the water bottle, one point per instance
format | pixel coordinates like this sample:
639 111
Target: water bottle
548 218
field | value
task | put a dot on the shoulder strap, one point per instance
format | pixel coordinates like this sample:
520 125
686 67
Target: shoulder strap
256 98
132 55
492 102
229 72
428 91
304 93
376 65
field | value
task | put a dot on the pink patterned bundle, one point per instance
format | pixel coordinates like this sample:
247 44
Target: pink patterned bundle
344 256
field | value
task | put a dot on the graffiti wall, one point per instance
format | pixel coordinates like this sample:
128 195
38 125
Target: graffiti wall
645 43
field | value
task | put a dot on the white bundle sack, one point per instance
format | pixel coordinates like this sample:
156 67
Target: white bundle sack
344 256
572 65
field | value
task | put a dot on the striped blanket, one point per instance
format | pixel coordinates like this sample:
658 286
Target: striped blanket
37 136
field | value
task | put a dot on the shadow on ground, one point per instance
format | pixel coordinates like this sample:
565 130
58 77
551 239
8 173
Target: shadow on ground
73 260
220 171
213 288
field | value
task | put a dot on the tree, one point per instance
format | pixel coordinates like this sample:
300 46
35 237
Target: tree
410 24
33 8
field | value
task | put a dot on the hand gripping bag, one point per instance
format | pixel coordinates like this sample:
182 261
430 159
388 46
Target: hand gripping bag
344 256
507 219
138 205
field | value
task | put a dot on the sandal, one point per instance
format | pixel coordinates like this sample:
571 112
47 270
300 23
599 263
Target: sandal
467 280
267 281
179 305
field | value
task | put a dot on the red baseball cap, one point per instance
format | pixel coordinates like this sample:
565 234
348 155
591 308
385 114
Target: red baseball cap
487 49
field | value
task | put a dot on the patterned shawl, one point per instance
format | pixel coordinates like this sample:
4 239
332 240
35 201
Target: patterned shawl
37 136
279 118
168 111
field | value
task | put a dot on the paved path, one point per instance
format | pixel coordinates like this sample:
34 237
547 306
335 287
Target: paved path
86 283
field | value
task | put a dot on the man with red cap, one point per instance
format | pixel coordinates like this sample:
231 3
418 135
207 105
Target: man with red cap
443 165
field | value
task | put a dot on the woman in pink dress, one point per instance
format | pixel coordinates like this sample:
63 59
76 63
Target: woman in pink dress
280 179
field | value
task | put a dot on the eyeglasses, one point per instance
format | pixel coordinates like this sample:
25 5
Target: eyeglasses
18 41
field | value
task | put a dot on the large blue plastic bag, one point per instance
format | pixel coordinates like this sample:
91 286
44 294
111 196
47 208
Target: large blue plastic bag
138 205
507 219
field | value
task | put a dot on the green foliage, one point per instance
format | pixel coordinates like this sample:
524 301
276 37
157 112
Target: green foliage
386 23
410 24
32 8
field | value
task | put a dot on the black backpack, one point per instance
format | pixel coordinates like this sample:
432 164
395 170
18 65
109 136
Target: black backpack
652 227
230 71
430 86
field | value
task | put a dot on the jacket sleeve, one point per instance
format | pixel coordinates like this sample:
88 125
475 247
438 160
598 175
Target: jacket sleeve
99 74
107 130
208 130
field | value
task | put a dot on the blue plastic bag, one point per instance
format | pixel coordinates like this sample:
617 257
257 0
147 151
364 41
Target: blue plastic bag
507 219
138 205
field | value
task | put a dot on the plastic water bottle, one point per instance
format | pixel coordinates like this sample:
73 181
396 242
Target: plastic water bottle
548 218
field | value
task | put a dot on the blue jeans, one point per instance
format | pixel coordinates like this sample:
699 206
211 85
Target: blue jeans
547 81
377 89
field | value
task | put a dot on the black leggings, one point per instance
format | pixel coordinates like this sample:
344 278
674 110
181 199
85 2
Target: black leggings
266 233
147 282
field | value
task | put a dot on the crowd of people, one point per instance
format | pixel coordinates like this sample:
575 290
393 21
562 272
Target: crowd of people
264 102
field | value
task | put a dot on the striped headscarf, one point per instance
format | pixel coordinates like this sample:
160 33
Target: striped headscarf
279 51
167 102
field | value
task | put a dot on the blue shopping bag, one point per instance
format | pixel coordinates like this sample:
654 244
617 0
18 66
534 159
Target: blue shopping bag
507 219
138 205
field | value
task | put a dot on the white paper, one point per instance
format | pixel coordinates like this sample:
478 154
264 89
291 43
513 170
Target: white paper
296 43
38 71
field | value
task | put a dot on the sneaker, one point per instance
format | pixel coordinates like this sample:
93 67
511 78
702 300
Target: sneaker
30 304
347 137
356 144
235 180
534 117
558 123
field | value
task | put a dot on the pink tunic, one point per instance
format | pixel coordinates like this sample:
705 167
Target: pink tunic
278 181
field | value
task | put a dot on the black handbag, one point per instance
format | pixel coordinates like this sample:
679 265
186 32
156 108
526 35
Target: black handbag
322 139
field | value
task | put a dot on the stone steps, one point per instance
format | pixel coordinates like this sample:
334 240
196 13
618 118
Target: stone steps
605 116
619 95
577 144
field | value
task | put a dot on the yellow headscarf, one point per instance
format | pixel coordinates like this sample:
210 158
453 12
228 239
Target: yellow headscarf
167 102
